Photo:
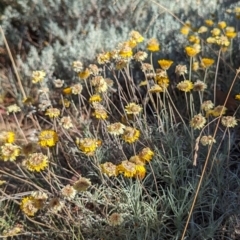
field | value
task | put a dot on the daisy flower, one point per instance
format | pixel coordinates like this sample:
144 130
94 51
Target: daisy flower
48 138
131 135
36 162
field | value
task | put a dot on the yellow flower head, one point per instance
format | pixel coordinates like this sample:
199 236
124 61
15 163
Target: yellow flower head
237 97
185 86
48 138
13 108
146 154
133 108
194 39
103 58
222 24
209 22
202 29
207 62
140 171
125 51
165 64
100 84
84 74
185 30
157 88
109 169
52 112
116 128
229 121
230 32
128 169
198 121
217 111
29 206
191 51
88 145
36 162
136 36
153 45
130 135
95 98
7 137
9 152
38 76
67 91
100 114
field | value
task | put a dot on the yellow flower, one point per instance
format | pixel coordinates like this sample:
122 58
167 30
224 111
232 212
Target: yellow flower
133 108
229 121
217 111
7 137
100 114
100 84
121 63
36 162
136 36
116 128
194 39
185 86
52 112
127 168
209 22
130 135
191 51
207 62
153 45
207 140
9 152
211 40
95 98
29 206
109 169
207 105
38 76
88 145
82 184
84 74
198 121
185 30
202 29
48 138
13 108
140 171
125 51
222 41
156 88
230 32
237 97
103 58
165 64
146 154
222 24
67 90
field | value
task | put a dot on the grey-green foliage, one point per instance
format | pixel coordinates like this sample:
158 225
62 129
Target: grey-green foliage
54 32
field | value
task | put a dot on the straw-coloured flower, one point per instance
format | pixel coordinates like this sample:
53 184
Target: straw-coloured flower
136 36
77 66
217 111
88 145
38 76
198 121
185 86
36 162
199 86
9 152
48 138
68 192
84 74
181 70
127 168
125 51
207 140
52 112
207 105
103 58
100 84
13 108
66 122
229 121
146 154
140 56
58 83
76 89
130 135
115 219
133 108
116 128
109 169
165 64
29 206
82 184
56 205
153 45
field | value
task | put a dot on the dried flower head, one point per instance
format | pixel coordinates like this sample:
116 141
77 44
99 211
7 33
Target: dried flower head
100 84
146 154
13 231
58 83
40 198
82 184
52 112
76 89
153 45
133 108
140 56
13 108
109 169
38 76
198 121
116 128
157 88
136 36
207 140
199 86
68 192
29 206
229 121
56 205
207 105
77 66
48 138
127 168
185 86
181 70
36 162
115 219
165 64
66 122
125 51
88 145
130 135
103 58
95 70
9 152
121 63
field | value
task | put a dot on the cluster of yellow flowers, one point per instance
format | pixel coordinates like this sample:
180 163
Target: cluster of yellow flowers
134 167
